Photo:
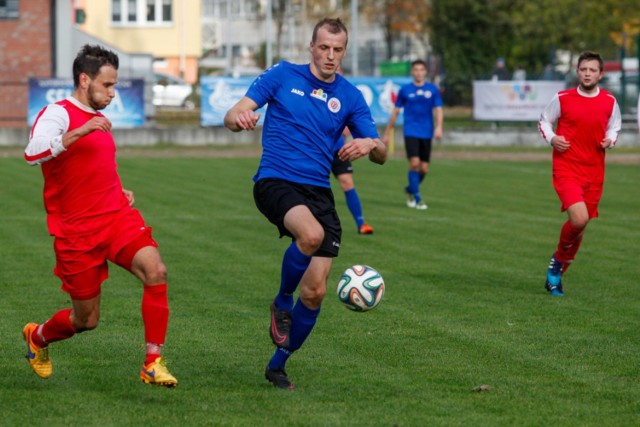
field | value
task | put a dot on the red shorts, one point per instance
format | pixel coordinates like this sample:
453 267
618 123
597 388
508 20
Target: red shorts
81 261
572 190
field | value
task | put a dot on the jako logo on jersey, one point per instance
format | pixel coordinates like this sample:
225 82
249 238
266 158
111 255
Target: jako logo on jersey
334 105
297 91
319 94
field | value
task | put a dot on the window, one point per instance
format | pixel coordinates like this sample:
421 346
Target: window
131 11
116 11
151 11
141 12
9 9
166 10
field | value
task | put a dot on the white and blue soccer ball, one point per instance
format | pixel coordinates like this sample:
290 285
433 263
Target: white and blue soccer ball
360 288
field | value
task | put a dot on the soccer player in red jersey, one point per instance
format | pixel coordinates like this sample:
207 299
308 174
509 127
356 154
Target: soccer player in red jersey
588 122
91 217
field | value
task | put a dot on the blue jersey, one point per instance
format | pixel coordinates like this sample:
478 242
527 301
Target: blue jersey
304 122
418 103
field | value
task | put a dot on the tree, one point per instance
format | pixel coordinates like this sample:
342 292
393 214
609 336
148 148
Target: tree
471 34
397 17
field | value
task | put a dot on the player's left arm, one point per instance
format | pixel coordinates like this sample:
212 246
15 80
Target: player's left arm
360 147
438 112
365 134
613 127
439 120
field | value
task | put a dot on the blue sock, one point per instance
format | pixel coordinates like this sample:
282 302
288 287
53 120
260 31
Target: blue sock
279 358
414 185
294 264
353 202
302 322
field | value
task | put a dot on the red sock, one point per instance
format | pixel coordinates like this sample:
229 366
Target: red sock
57 328
569 243
155 314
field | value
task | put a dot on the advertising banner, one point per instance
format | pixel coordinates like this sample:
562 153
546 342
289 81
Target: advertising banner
512 100
125 111
219 94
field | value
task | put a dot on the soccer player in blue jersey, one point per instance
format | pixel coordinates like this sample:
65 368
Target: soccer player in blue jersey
309 106
421 100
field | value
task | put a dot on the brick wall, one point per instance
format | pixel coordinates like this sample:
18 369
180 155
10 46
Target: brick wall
25 51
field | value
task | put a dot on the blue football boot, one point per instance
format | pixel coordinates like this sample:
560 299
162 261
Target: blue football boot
553 283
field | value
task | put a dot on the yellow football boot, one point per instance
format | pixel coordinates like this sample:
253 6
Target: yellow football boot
38 357
156 373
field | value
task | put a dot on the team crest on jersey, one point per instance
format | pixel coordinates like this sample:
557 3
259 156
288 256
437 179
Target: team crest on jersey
428 94
319 94
334 105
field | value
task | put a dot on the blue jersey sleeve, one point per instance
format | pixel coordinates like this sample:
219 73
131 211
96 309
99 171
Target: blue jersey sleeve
437 97
265 86
360 122
402 96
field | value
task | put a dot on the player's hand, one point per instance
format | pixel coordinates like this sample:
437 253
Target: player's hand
247 120
356 148
96 123
559 143
606 143
129 195
437 133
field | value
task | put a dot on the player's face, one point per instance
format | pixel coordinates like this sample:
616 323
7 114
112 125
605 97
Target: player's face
101 90
589 74
327 53
419 73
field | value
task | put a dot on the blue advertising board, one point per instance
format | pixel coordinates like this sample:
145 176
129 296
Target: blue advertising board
381 93
219 94
125 111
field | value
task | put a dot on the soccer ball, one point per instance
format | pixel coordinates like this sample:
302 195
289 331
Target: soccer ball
360 288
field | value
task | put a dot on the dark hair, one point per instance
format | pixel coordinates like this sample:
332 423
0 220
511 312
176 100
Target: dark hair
333 25
89 61
589 55
419 62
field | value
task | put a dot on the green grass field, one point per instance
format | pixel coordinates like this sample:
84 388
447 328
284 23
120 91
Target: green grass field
464 306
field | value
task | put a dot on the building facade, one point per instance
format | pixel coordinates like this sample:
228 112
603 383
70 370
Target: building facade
25 51
169 30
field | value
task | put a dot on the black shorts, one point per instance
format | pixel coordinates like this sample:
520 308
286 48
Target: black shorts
339 167
418 147
275 197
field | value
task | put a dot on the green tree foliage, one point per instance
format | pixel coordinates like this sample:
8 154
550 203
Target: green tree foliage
470 34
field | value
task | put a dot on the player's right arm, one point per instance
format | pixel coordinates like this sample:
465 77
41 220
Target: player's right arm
45 141
242 116
50 135
390 124
548 117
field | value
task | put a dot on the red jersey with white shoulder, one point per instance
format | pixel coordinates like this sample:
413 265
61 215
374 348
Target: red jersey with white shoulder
81 183
584 120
